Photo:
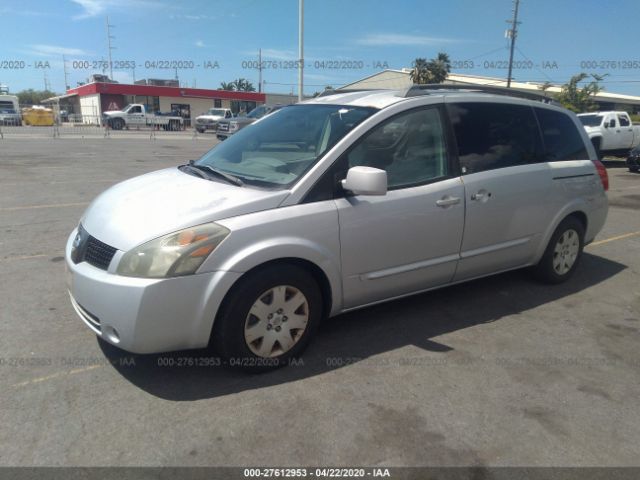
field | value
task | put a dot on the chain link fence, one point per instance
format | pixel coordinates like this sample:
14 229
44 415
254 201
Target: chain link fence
52 123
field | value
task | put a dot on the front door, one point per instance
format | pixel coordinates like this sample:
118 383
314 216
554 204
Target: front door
409 239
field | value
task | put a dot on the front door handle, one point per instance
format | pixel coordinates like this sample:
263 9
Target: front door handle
447 201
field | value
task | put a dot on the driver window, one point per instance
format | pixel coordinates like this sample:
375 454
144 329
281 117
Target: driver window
409 146
136 110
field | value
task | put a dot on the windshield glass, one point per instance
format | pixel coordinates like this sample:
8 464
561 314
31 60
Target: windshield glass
281 147
216 111
590 120
257 112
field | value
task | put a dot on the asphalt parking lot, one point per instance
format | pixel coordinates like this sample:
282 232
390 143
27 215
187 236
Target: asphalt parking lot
500 371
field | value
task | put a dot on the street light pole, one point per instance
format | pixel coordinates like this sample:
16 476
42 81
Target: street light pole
300 49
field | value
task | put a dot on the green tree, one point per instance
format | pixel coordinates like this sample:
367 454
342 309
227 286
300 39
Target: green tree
432 71
577 96
243 85
229 86
33 97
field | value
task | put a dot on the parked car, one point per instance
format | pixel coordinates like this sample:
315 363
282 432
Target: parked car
330 205
136 115
9 111
210 120
633 160
611 133
226 128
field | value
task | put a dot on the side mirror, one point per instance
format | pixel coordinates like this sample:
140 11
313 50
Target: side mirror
366 181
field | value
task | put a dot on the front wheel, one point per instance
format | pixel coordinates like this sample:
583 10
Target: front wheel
563 252
268 318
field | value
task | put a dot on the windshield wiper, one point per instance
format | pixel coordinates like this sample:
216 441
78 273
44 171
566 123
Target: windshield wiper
227 176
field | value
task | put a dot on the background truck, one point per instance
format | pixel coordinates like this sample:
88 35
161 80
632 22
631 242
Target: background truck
9 110
611 133
209 120
136 115
226 128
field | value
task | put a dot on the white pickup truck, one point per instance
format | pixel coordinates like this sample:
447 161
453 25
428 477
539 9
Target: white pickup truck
611 132
136 115
209 120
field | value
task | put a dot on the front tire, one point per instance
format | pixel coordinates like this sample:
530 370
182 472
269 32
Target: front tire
563 252
268 318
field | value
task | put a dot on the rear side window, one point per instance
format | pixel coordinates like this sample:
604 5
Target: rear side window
561 138
494 135
623 121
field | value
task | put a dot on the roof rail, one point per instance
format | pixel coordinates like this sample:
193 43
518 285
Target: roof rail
428 89
338 91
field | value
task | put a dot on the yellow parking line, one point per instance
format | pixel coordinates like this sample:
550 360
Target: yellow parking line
56 375
613 239
52 205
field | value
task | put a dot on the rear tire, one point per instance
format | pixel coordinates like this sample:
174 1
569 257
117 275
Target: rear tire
268 318
562 254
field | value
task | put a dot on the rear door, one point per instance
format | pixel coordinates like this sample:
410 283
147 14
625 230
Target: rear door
409 239
506 185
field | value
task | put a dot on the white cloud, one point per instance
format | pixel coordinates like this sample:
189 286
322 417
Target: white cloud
199 44
95 8
55 51
277 54
400 39
91 8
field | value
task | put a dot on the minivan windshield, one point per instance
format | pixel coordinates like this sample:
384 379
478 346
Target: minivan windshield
590 120
276 151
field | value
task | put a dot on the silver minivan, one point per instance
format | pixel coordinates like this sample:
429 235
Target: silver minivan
330 205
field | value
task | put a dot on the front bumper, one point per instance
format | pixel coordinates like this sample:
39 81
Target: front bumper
146 315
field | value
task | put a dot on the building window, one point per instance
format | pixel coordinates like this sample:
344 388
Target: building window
242 107
217 103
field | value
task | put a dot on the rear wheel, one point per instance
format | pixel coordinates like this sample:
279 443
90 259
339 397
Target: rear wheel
563 252
268 318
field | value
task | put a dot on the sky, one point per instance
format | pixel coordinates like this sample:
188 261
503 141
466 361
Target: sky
345 40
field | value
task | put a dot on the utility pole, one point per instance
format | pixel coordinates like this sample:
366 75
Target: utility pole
259 70
66 74
109 38
300 49
512 33
46 82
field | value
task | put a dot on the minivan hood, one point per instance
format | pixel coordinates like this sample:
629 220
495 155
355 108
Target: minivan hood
146 207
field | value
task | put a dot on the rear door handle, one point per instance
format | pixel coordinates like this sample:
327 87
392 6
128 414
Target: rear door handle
480 196
447 201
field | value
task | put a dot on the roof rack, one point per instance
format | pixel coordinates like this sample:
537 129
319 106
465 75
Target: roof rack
428 89
339 91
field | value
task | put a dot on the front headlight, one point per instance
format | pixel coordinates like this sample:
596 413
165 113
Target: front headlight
176 254
233 125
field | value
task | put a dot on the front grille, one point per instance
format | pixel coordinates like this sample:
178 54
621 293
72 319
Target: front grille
98 254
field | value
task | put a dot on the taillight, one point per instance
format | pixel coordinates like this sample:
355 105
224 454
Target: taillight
602 171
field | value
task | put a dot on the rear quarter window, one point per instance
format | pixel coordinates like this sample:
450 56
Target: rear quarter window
560 136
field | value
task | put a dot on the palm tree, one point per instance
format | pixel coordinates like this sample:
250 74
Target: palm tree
420 73
439 68
227 86
243 85
432 71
